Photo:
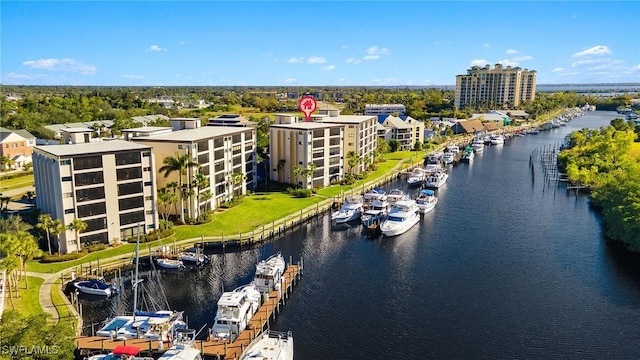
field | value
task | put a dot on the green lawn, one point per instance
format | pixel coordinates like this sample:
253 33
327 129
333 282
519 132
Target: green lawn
17 182
61 305
29 301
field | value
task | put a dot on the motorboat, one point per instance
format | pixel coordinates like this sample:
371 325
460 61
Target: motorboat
169 264
193 257
426 201
351 210
395 195
376 213
468 154
373 195
183 347
435 157
436 179
402 216
270 345
417 177
452 149
94 287
497 140
477 145
433 167
121 352
133 329
110 327
487 139
163 325
269 273
448 158
235 310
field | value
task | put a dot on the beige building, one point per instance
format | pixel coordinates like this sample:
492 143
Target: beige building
495 88
301 144
219 152
110 185
407 132
17 146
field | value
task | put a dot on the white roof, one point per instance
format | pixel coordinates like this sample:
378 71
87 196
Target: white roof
201 133
91 148
349 119
306 125
230 298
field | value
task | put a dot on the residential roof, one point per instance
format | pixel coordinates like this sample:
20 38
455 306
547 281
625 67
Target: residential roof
306 125
201 133
350 119
396 122
5 133
490 126
25 134
91 148
471 126
149 118
56 127
488 117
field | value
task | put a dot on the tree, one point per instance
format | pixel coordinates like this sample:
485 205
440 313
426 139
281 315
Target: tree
297 171
33 332
206 196
280 166
178 163
353 160
44 223
394 145
236 179
200 182
166 199
77 226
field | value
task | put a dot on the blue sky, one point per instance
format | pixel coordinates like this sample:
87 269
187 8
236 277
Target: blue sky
314 43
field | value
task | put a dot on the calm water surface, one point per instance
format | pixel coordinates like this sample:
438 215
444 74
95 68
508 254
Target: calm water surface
508 266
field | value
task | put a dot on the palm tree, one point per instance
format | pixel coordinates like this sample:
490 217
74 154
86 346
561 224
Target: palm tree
166 199
206 196
77 226
44 223
55 229
353 160
10 263
179 163
297 171
31 195
200 181
281 163
236 179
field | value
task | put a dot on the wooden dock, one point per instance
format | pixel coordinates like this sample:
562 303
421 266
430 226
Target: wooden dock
260 321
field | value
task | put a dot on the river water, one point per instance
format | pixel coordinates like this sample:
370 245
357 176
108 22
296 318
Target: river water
507 266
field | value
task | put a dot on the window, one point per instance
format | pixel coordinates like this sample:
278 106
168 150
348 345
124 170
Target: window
92 209
89 162
89 178
148 197
66 178
129 173
146 169
128 158
67 195
95 238
130 218
146 153
90 194
96 224
236 138
148 183
130 203
65 162
130 188
203 146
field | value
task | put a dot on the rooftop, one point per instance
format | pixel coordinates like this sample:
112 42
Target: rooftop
306 125
201 133
91 148
350 119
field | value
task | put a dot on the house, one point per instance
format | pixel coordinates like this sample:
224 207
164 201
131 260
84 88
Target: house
467 127
101 125
17 146
148 119
406 130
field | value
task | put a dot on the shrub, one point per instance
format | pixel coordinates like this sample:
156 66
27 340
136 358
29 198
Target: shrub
16 174
95 247
302 193
157 234
46 258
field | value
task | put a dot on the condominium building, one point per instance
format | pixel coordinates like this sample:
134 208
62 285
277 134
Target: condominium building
498 87
219 152
407 131
110 185
315 146
384 109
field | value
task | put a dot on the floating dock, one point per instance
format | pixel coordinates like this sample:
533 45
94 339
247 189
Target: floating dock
260 321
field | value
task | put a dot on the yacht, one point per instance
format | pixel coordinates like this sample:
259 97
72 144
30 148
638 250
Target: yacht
448 158
403 215
269 273
169 264
468 154
436 179
121 352
163 325
453 149
376 213
435 157
426 201
270 345
487 139
477 145
395 195
193 257
94 287
183 347
351 210
417 177
497 139
432 167
373 195
235 310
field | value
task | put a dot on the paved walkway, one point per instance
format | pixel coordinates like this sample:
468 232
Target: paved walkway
45 292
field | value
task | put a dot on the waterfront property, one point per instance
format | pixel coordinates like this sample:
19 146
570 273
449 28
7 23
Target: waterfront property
219 152
407 131
501 87
110 185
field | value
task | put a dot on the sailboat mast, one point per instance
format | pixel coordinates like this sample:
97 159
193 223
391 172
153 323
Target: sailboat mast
135 281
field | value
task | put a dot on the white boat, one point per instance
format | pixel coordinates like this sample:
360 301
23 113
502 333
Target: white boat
133 329
163 325
94 287
417 177
429 168
269 273
121 352
436 179
487 139
426 201
497 139
468 154
193 257
170 264
235 310
395 195
435 157
402 216
183 347
477 144
453 149
376 213
351 210
448 158
270 345
374 195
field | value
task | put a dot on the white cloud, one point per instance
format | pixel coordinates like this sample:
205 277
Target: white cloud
17 76
133 76
486 46
508 62
289 80
182 42
590 61
522 58
371 57
156 48
345 46
66 64
596 50
479 62
316 60
635 68
296 60
329 68
353 61
558 69
511 52
375 50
